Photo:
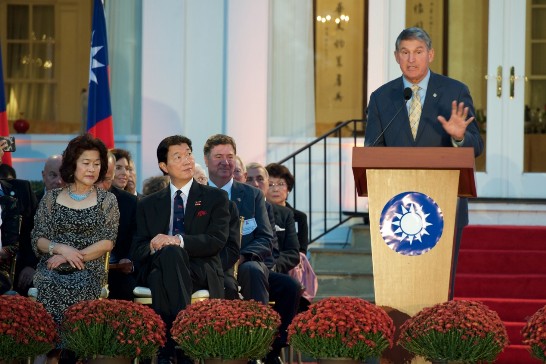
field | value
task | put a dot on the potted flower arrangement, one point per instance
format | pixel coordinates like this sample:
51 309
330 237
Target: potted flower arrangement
26 328
534 334
463 331
226 329
112 328
342 327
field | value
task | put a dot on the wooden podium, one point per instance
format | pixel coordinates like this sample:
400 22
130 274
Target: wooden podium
408 283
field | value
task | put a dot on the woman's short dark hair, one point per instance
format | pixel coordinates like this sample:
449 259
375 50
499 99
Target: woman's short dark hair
122 153
75 149
279 171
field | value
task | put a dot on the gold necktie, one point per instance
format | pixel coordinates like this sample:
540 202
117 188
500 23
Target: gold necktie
415 110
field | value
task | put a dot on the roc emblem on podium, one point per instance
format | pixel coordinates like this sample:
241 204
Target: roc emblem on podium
411 223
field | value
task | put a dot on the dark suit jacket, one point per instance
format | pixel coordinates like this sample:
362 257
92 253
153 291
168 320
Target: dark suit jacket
127 204
256 243
231 251
26 204
206 226
441 91
302 228
287 256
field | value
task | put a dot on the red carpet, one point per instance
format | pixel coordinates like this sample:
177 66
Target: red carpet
505 268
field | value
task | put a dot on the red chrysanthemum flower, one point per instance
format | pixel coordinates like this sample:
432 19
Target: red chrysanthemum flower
112 328
227 329
534 334
346 327
26 328
466 331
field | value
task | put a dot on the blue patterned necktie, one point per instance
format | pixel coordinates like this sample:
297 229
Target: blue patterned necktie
178 214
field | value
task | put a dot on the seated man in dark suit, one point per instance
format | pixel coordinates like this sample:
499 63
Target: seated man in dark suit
121 279
26 208
9 240
257 281
180 233
286 254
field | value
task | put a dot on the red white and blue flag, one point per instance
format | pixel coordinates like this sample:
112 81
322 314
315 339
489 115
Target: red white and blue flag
4 127
99 110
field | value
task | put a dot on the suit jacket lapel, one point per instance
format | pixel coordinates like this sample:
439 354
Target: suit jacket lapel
430 109
192 205
237 195
402 120
162 210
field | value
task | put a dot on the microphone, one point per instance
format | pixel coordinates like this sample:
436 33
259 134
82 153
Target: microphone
407 95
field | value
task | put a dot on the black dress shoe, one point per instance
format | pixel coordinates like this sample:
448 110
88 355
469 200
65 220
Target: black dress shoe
273 359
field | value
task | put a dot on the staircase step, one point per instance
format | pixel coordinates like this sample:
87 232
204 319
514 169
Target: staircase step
511 309
504 237
501 285
516 354
360 237
501 261
344 284
350 260
514 332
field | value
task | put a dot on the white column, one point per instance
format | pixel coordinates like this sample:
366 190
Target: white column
247 75
387 18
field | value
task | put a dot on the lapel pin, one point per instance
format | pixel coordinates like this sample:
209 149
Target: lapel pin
434 94
197 203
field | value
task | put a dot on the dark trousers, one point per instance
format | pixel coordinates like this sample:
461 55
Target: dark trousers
121 285
171 285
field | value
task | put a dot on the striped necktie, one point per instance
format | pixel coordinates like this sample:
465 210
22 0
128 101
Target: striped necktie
415 110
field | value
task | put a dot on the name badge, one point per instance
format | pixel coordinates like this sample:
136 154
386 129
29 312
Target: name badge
249 226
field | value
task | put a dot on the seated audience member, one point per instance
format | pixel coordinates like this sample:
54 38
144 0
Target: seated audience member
123 162
255 279
121 278
230 253
9 240
7 172
239 173
51 176
27 260
282 183
21 191
180 233
286 254
131 181
154 184
75 226
200 175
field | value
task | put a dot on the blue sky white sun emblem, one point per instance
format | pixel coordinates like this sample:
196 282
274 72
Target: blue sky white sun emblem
411 223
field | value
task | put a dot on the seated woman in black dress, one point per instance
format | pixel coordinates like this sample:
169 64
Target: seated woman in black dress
74 227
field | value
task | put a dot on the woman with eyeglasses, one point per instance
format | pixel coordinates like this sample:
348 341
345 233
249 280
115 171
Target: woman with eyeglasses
281 183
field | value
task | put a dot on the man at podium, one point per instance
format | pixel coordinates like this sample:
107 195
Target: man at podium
423 109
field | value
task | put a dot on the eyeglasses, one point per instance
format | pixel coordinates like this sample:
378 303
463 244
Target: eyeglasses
280 185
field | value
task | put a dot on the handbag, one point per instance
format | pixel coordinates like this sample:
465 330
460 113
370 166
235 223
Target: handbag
304 273
65 268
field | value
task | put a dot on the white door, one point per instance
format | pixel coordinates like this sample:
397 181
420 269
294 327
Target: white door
515 157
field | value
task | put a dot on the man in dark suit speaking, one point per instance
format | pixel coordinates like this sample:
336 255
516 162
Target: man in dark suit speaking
439 110
180 233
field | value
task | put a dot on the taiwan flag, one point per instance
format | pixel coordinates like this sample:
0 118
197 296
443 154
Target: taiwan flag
99 110
4 128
